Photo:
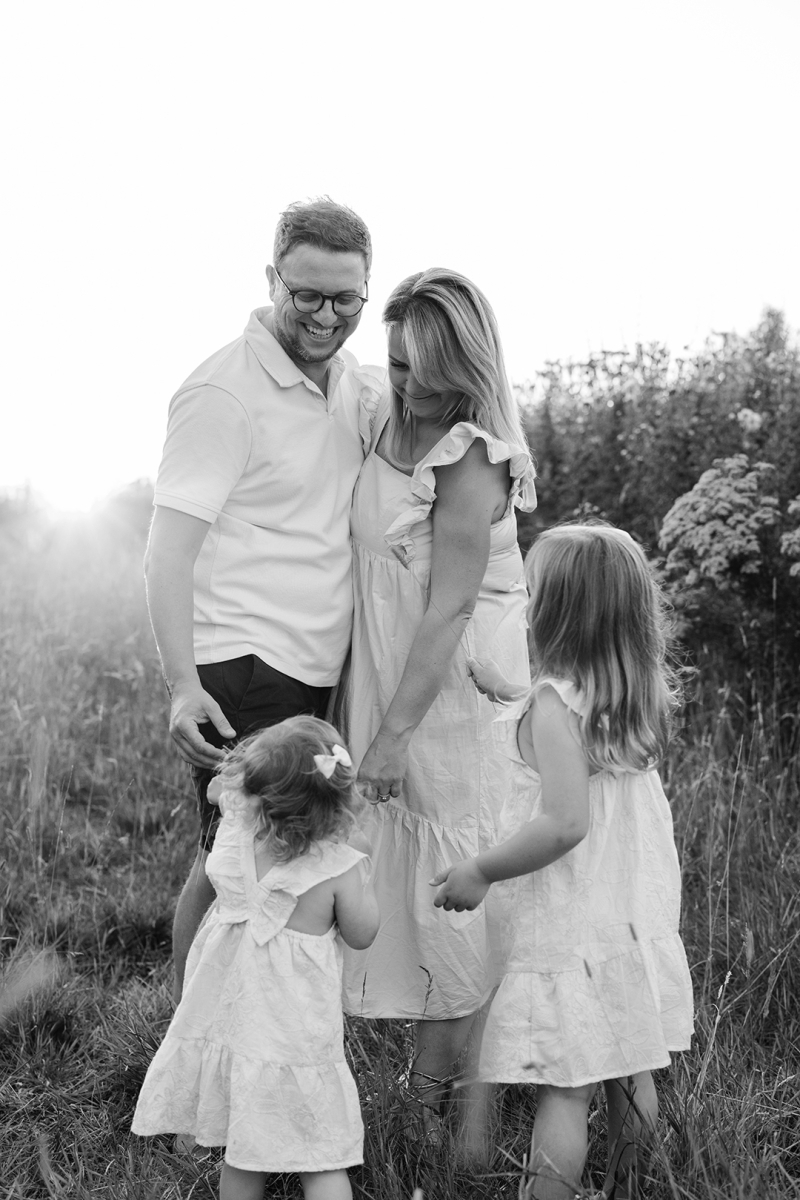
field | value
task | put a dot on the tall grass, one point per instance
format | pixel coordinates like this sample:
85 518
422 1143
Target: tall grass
97 832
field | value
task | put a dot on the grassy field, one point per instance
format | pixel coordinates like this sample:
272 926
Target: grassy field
97 833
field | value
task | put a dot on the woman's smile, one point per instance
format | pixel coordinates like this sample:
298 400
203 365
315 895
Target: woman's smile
421 401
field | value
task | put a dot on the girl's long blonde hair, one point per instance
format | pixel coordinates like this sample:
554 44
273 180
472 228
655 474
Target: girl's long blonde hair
597 617
451 339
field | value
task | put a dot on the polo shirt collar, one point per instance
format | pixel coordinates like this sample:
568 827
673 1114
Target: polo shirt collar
276 361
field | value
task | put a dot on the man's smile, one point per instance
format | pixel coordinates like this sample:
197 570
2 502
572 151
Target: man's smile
319 335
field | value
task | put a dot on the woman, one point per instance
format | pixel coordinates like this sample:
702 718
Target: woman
438 579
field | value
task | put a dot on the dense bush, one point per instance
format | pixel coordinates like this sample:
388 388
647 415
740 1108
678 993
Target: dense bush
628 433
731 572
699 458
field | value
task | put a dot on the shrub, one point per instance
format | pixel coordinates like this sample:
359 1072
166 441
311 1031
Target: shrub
701 456
715 534
730 577
628 433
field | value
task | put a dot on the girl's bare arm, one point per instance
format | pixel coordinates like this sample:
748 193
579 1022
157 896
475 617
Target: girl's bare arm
561 825
356 907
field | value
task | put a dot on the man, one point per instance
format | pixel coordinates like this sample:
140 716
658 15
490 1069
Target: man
248 562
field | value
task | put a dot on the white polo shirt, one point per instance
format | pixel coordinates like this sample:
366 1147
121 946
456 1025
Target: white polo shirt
254 448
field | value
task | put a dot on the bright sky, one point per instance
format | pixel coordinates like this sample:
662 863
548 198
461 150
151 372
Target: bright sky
606 172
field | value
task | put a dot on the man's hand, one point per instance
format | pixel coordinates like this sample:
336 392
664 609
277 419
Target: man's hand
463 886
191 707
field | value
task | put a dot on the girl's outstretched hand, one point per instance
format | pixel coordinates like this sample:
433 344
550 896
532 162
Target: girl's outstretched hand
491 682
463 886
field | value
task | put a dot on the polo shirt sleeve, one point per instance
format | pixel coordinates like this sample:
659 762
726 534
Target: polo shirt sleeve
208 444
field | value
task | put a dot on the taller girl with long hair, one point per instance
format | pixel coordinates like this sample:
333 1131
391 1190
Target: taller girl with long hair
439 579
597 986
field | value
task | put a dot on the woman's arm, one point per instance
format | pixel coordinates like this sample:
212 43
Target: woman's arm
561 825
466 497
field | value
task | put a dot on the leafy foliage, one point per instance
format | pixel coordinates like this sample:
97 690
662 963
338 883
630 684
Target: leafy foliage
790 541
714 533
699 456
628 433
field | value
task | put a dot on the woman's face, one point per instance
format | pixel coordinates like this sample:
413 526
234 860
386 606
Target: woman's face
426 405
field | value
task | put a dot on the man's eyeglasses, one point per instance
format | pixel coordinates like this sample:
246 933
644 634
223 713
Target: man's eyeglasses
344 304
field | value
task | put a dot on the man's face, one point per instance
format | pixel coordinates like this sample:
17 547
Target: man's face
314 337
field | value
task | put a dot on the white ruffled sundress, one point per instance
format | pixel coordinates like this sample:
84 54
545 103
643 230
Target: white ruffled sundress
254 1057
597 985
426 963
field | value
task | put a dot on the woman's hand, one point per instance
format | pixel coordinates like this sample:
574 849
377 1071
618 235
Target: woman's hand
384 767
463 886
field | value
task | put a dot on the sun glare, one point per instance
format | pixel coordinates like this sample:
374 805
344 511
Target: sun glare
71 497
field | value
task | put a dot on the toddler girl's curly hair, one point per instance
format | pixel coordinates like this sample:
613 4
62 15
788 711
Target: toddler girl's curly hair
295 804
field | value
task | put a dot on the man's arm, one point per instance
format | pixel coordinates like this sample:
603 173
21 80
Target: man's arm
174 544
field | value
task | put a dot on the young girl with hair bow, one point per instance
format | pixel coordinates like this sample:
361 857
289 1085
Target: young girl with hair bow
254 1057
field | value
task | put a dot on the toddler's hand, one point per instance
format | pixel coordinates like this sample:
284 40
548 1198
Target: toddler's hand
463 886
214 790
491 682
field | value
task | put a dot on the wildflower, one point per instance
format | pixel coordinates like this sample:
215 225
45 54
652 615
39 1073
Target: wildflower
749 420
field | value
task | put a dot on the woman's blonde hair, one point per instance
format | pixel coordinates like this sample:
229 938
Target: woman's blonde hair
451 340
295 804
597 617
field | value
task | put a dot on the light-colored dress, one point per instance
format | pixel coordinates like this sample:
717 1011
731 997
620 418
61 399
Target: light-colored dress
254 1057
597 984
426 963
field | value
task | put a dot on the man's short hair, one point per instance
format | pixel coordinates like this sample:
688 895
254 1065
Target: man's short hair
324 223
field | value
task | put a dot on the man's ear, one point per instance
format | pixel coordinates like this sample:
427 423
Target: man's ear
272 279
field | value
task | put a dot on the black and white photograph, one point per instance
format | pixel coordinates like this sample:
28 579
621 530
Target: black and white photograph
400 601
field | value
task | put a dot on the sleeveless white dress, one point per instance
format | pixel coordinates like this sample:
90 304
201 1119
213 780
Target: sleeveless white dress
597 985
254 1057
456 797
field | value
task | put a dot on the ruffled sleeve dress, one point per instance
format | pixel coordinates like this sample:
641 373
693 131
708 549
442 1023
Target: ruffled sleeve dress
426 963
597 985
254 1057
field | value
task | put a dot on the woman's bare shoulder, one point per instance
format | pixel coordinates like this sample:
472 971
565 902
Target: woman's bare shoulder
472 473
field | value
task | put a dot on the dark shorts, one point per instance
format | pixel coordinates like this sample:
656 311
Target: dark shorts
252 696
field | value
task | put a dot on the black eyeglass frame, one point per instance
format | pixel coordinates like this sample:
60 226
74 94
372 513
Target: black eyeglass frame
293 292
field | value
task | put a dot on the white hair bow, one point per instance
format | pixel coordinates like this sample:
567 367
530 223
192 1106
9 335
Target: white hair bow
326 763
